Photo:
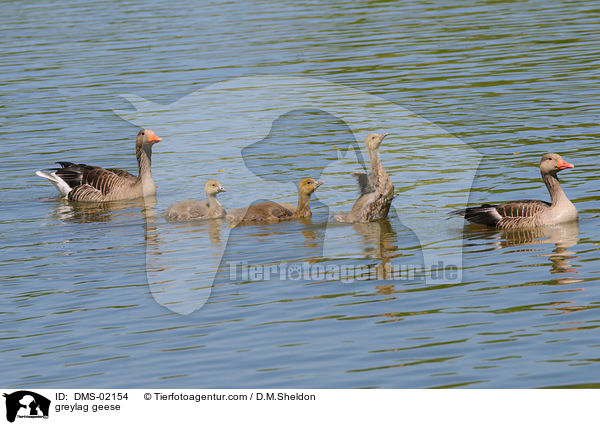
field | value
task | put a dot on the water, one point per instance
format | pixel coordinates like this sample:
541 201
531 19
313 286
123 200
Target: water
78 307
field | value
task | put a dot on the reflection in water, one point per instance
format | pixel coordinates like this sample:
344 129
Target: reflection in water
563 236
91 212
482 71
181 259
390 250
214 230
380 243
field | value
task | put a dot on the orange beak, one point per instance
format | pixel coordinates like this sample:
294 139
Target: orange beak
562 164
154 138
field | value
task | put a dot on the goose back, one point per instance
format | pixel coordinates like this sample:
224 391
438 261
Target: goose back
263 211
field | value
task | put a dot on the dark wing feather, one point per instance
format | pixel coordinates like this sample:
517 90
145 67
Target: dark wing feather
71 173
485 215
101 179
364 183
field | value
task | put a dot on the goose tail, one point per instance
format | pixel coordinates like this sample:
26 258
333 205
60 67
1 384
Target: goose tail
485 214
59 183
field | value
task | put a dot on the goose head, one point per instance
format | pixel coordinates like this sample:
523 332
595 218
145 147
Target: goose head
373 140
307 185
212 187
552 163
147 137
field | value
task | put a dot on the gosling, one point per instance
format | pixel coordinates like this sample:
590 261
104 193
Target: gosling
272 211
199 210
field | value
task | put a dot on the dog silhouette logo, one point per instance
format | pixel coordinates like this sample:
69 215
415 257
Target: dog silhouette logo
26 404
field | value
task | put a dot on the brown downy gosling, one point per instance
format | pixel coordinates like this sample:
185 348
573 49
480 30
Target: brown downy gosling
199 210
272 211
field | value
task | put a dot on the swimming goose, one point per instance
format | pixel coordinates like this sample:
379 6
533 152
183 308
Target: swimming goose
199 210
272 211
376 188
81 182
529 213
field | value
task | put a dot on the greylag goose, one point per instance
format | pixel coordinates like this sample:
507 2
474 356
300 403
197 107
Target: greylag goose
529 213
376 188
199 210
272 211
81 182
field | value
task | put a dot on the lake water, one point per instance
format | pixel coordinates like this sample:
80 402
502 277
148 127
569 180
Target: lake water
115 296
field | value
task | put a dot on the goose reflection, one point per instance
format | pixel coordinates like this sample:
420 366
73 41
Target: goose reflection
214 228
101 212
272 243
379 243
382 240
563 236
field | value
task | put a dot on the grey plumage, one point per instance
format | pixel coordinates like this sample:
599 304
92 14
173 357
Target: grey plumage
528 213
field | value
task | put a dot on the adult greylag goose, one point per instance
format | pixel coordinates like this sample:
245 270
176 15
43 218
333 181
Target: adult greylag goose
199 210
81 182
376 188
272 211
529 213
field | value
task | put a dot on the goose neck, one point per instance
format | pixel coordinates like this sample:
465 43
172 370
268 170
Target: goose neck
144 158
303 205
374 158
211 201
557 194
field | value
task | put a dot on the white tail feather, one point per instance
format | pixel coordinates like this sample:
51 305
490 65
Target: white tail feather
60 184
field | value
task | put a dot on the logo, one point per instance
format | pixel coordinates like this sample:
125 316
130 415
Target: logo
265 133
26 404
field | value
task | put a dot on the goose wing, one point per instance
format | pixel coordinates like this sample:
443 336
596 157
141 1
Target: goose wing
364 182
522 208
122 173
85 192
494 215
97 178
